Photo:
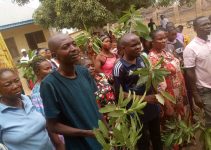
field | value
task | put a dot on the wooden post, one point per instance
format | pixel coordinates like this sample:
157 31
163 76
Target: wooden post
6 60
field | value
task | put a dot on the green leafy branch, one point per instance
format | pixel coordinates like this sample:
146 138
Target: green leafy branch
131 22
83 39
205 137
152 76
26 68
124 123
179 132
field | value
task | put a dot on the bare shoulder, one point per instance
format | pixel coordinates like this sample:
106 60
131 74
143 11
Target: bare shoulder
100 58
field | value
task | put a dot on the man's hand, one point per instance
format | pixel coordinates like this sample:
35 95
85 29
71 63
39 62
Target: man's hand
151 99
90 133
198 101
169 109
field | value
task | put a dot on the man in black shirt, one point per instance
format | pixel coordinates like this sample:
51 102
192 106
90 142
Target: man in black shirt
131 60
151 25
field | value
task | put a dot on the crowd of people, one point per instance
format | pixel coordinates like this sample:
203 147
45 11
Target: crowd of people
63 107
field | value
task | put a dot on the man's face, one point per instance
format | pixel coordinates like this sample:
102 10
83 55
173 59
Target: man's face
172 35
133 47
203 26
24 53
90 66
67 51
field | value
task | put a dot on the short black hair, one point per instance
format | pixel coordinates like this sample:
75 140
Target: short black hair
153 33
170 25
38 50
123 40
195 21
35 64
171 29
3 70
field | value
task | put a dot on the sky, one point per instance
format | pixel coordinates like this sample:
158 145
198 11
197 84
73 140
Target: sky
32 4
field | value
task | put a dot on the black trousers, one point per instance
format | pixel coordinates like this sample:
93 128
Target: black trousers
150 132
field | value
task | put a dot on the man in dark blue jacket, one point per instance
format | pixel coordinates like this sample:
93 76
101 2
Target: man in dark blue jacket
131 45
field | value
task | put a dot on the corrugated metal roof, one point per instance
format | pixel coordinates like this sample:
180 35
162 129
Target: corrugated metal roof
12 25
12 15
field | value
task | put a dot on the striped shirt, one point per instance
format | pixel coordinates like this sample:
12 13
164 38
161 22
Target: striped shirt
122 77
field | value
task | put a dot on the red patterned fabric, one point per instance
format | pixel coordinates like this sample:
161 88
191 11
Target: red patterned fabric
174 82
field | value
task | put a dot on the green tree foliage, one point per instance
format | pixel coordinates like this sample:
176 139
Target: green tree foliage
77 13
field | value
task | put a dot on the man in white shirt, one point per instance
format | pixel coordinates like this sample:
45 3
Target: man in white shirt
25 57
197 61
163 21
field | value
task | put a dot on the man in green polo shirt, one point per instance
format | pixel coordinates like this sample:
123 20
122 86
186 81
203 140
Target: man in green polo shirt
68 97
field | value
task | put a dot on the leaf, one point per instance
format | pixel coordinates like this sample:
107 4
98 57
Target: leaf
135 102
126 100
118 135
161 72
182 124
116 113
142 97
141 71
155 83
142 80
125 131
96 48
82 39
169 140
108 108
124 18
148 84
133 131
146 62
141 29
168 96
99 137
160 99
180 141
159 62
139 106
103 128
121 96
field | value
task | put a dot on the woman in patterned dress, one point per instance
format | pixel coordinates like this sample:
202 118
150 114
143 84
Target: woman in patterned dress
174 83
